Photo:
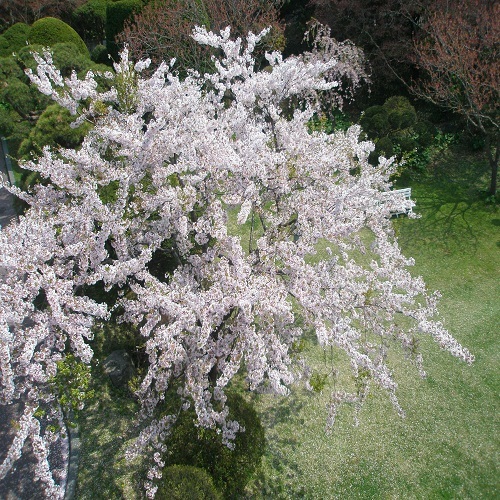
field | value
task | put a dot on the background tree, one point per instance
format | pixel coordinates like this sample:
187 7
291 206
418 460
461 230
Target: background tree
459 55
162 30
21 104
168 170
28 11
384 29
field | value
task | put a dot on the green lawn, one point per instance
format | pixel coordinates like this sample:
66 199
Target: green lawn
446 447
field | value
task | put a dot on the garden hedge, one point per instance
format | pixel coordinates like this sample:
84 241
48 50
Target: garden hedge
48 31
13 38
185 482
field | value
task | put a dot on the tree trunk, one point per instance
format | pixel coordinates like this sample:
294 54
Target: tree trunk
493 157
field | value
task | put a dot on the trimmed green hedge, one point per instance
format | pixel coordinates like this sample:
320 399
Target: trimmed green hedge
185 482
89 20
48 31
14 38
230 469
116 15
53 129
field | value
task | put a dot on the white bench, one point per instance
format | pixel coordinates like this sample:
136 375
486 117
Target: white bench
406 192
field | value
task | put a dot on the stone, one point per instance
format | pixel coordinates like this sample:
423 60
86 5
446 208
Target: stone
118 366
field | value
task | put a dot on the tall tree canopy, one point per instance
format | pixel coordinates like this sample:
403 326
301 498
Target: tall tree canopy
459 54
142 211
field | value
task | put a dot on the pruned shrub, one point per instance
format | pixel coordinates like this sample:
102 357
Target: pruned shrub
185 482
53 129
48 31
14 38
99 54
89 20
68 58
116 15
396 130
230 469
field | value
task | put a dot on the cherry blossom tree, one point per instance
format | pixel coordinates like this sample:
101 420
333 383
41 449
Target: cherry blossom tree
162 29
157 177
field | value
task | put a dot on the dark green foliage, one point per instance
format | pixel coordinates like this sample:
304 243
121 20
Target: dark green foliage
401 114
71 385
6 121
385 146
99 54
375 121
48 31
112 336
116 15
89 20
184 482
67 58
425 131
396 130
24 57
23 104
10 69
23 98
4 47
53 129
13 39
230 469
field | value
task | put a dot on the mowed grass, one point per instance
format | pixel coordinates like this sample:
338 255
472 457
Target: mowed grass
447 446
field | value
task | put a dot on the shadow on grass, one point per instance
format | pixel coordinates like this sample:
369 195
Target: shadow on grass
452 206
106 430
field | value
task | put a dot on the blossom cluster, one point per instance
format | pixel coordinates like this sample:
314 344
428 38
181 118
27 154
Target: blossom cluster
166 161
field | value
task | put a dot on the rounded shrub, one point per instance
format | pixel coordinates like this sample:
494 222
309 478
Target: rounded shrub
116 15
53 129
375 121
68 58
4 47
10 69
99 55
18 95
17 36
185 482
384 146
48 31
230 469
90 20
401 114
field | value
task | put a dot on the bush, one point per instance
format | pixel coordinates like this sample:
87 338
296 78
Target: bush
99 54
384 146
53 129
396 130
13 39
68 58
10 69
375 121
184 482
48 31
116 15
230 469
90 20
401 114
19 96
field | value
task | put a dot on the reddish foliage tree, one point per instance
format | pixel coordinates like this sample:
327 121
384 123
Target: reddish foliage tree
384 29
459 52
28 11
163 29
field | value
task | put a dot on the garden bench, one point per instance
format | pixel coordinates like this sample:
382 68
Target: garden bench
406 192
